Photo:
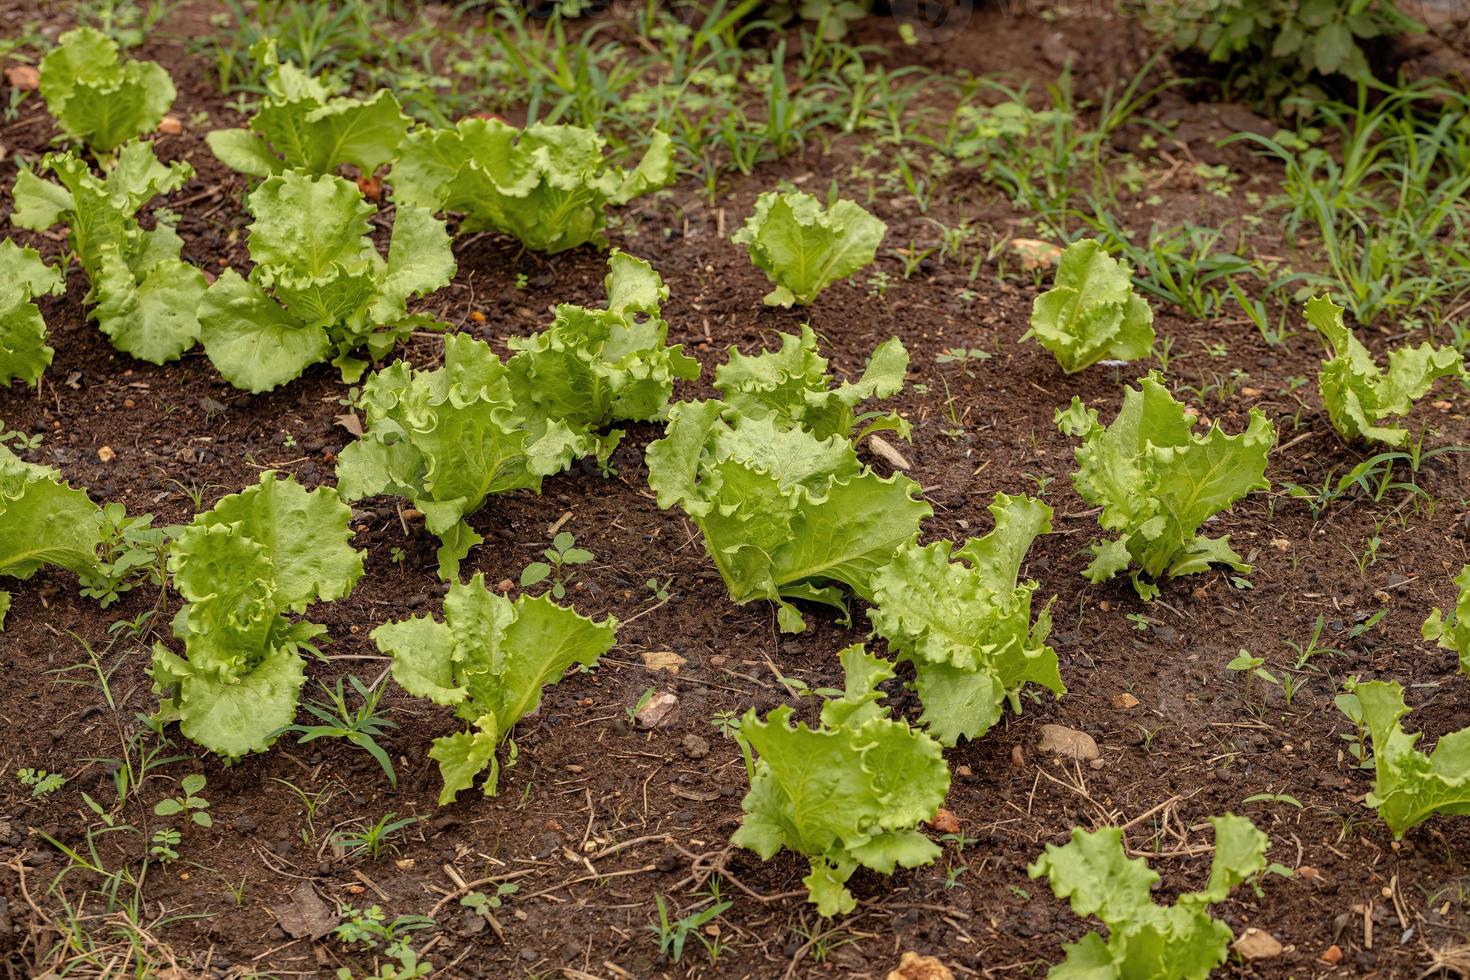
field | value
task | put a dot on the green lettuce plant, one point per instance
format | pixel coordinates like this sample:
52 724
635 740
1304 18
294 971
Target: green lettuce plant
303 123
1452 630
319 288
784 515
96 97
1157 482
803 247
964 621
549 186
490 659
448 438
592 368
43 521
849 793
1359 395
1409 786
242 567
792 386
1181 941
143 295
1091 313
24 275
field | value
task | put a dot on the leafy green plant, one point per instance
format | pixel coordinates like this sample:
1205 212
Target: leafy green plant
373 838
97 98
1409 786
847 794
304 124
1157 482
241 567
448 438
1452 629
803 247
674 933
164 846
130 550
548 185
792 386
1358 394
592 368
370 928
43 521
143 295
562 554
784 515
490 659
319 288
24 275
1091 312
188 802
40 782
362 726
965 624
1146 939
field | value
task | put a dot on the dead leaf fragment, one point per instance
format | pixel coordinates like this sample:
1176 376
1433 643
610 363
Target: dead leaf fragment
697 795
23 77
1332 955
306 916
656 660
1124 701
1036 254
1257 944
945 822
1281 544
1068 743
885 451
350 422
916 967
659 709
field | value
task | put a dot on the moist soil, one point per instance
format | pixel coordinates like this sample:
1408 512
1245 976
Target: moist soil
598 816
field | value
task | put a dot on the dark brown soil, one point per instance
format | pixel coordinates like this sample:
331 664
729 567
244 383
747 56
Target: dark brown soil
597 818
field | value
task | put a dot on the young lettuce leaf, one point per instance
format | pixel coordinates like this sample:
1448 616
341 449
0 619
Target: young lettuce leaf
1409 786
144 296
803 248
303 124
1157 482
43 521
850 793
965 625
97 98
319 288
592 368
1091 312
1452 630
447 439
1180 941
792 386
549 186
241 567
24 354
490 659
1358 394
784 515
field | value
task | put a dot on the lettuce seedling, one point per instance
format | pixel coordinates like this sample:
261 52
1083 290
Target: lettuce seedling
850 793
1091 313
144 296
1452 629
592 368
803 248
304 124
1358 394
43 521
1409 786
241 567
1180 941
1157 483
319 288
490 658
792 386
447 439
99 99
24 275
784 515
549 186
964 622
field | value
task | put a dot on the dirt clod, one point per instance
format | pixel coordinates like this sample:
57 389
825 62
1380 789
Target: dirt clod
916 967
1068 743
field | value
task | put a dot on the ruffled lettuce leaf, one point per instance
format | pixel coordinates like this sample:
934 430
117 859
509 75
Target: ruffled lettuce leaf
1452 630
1091 312
43 521
99 99
1409 786
24 354
1157 482
966 625
803 247
490 659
